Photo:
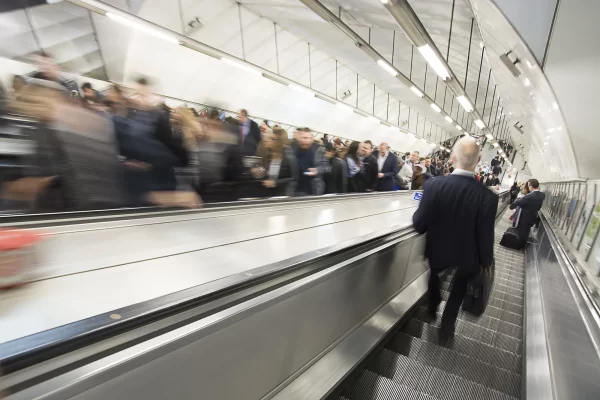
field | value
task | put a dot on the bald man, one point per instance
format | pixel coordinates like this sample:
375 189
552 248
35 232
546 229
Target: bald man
458 215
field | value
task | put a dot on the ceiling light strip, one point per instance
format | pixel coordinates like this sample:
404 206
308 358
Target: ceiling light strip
414 29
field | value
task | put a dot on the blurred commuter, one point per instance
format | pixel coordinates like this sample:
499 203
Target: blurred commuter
249 133
387 167
220 166
326 142
311 161
278 171
419 177
439 168
514 192
446 172
427 164
460 205
371 168
90 95
336 172
147 143
404 176
76 151
355 168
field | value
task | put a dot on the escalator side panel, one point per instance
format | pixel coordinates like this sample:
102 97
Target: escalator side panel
257 345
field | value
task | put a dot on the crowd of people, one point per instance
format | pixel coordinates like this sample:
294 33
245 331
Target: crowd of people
123 148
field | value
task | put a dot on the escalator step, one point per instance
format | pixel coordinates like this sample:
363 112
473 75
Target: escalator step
478 333
496 296
494 312
370 386
431 381
466 321
451 362
467 346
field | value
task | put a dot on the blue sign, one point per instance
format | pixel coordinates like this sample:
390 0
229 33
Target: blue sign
418 196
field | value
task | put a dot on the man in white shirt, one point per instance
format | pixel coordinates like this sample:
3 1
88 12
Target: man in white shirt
387 165
414 160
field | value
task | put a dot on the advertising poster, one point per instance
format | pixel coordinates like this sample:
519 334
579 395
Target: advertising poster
591 231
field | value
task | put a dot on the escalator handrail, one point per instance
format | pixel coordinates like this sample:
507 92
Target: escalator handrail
126 213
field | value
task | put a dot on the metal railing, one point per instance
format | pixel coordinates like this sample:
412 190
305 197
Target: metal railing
573 210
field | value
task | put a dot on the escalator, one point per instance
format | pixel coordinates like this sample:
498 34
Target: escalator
483 361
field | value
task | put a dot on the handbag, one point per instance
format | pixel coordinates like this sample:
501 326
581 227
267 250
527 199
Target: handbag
511 239
479 288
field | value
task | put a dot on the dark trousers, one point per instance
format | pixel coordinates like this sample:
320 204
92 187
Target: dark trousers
457 294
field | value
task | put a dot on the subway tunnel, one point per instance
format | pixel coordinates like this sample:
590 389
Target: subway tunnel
293 295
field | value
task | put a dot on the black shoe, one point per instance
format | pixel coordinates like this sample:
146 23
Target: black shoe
446 333
432 310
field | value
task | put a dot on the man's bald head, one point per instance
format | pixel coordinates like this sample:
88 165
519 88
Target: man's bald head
466 154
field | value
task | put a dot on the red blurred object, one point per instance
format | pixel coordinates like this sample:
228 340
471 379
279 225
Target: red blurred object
17 256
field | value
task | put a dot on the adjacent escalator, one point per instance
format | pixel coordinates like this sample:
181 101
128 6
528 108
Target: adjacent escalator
483 361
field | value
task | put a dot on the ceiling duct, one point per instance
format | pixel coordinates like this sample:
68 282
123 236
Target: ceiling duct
510 64
518 126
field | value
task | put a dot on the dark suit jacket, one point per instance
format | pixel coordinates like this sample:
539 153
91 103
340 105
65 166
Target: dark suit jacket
252 139
458 215
390 170
336 177
370 175
530 204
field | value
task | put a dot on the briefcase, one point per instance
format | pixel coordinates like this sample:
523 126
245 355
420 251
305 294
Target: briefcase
479 288
511 239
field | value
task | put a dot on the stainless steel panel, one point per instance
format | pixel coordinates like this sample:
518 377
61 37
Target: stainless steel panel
563 359
81 295
246 351
537 383
104 245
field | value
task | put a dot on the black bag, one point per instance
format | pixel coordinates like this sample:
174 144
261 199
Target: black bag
511 239
479 288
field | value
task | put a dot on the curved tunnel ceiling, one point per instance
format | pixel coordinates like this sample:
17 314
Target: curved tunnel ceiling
286 36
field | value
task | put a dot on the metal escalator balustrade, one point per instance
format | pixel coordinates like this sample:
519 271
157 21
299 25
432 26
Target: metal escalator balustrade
483 360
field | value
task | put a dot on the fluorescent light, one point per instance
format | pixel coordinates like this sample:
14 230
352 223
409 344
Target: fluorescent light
301 89
387 67
559 128
435 62
142 27
241 66
479 123
530 65
385 1
344 107
416 91
551 130
435 107
465 103
459 127
423 140
467 134
489 136
481 44
449 119
496 144
555 106
526 82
